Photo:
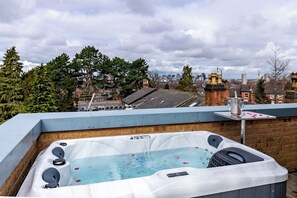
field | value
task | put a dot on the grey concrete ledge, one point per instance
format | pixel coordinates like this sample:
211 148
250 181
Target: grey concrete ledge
18 134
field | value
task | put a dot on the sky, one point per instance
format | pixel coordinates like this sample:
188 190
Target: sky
236 36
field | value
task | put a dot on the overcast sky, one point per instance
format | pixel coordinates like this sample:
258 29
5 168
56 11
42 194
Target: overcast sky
236 35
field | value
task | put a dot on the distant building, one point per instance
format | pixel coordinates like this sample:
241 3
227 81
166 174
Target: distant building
215 91
203 76
147 98
129 100
145 83
266 78
270 93
291 94
294 81
247 92
243 79
100 105
235 88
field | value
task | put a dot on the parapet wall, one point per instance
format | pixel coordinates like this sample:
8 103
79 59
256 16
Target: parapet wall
16 178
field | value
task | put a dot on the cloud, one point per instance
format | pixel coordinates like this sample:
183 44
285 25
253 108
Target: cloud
143 7
178 41
11 10
266 51
157 26
29 65
168 34
87 7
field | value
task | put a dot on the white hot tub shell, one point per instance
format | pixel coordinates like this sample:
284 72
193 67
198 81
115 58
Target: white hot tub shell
253 175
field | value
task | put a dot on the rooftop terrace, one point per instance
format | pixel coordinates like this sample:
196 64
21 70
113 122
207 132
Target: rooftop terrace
25 135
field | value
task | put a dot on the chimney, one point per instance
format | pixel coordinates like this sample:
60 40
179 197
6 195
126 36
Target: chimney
219 78
145 83
212 79
243 79
294 81
251 85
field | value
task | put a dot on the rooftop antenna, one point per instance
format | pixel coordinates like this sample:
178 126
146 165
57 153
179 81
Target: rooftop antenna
91 101
259 74
220 70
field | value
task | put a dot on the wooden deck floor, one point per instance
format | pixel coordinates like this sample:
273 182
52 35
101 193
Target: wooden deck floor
292 185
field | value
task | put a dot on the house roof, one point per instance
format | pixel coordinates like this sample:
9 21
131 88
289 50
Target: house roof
233 89
245 88
164 99
138 95
271 89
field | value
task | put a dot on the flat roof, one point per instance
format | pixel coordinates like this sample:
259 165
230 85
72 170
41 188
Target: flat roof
18 134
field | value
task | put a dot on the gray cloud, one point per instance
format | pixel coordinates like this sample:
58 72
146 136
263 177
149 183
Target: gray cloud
178 3
88 7
13 10
143 7
157 26
178 41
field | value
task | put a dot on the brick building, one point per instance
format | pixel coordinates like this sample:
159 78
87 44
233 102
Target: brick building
270 93
291 94
215 91
247 92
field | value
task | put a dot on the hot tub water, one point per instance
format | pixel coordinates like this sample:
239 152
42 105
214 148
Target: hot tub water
119 167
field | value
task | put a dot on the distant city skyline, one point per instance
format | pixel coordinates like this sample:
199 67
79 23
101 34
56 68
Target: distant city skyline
234 35
226 76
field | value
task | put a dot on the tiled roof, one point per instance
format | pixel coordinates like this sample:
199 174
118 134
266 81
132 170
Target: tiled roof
164 99
245 88
233 89
138 95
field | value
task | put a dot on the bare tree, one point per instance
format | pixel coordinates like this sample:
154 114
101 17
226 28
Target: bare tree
278 71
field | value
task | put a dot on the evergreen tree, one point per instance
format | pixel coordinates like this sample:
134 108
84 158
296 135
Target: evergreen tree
118 70
259 94
41 98
96 70
64 79
135 73
103 71
27 84
127 80
11 96
186 81
89 62
139 71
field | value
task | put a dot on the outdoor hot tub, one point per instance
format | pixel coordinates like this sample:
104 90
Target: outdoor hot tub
180 164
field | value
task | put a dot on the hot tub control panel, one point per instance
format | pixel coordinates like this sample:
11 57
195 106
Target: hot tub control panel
177 174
